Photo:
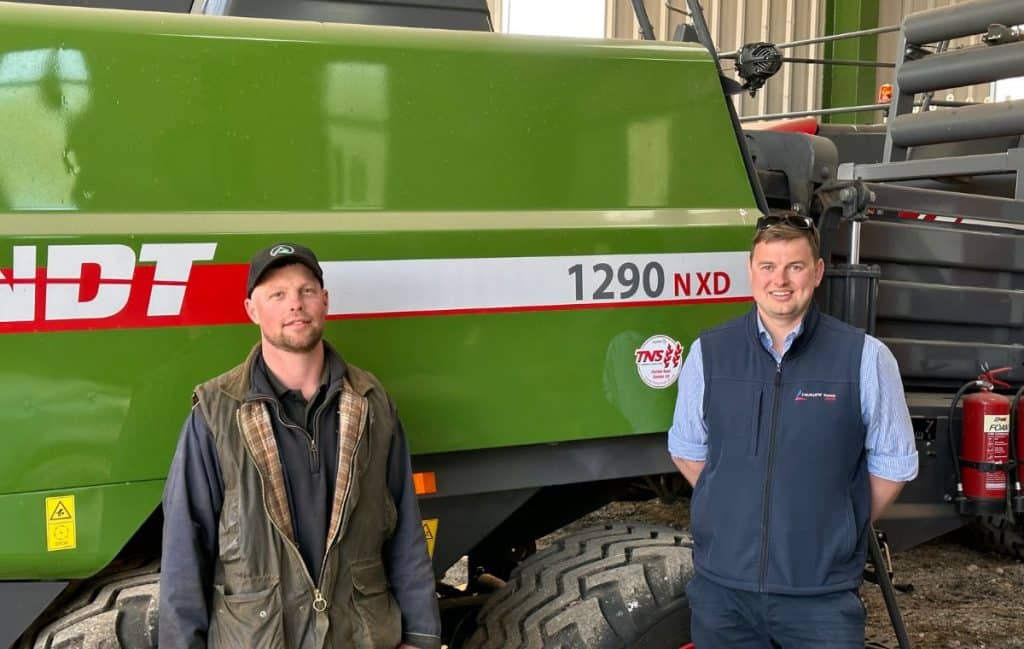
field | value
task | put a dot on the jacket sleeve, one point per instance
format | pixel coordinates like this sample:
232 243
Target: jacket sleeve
405 555
193 496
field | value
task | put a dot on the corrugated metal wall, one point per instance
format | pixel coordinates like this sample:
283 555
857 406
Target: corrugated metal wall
735 22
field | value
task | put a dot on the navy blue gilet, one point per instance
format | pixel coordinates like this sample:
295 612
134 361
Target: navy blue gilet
783 503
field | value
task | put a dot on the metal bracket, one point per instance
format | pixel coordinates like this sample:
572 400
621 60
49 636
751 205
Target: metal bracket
850 199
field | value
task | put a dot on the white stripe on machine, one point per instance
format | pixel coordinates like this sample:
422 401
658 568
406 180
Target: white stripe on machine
534 283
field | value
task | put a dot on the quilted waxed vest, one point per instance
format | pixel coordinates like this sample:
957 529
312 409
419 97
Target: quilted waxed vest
263 595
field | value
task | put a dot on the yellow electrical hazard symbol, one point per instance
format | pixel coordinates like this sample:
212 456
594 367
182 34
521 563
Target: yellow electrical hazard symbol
60 523
430 533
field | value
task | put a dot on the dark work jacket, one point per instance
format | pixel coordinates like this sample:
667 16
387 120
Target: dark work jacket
240 529
783 502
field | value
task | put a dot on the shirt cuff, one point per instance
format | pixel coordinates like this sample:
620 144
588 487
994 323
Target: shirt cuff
421 640
687 451
897 468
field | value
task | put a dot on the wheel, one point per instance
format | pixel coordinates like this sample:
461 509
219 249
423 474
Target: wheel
115 611
998 534
612 587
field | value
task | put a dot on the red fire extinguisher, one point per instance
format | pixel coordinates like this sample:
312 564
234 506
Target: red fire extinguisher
984 459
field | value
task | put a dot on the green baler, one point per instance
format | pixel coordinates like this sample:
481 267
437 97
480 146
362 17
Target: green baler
516 233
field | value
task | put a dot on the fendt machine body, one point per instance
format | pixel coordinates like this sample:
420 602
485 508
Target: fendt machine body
518 237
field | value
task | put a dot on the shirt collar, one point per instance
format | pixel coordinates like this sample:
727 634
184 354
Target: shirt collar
280 391
766 338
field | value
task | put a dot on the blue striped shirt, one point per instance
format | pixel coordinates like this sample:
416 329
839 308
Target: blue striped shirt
891 451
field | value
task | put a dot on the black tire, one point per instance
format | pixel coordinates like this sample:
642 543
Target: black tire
114 611
612 587
998 534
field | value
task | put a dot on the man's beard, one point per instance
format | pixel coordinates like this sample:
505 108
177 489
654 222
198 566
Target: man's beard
297 345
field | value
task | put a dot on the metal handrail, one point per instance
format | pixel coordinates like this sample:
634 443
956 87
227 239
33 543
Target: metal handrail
826 39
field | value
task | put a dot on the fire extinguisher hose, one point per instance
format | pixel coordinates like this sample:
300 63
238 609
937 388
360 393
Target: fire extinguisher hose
954 454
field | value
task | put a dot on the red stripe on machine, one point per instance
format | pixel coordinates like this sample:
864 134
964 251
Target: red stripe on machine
212 295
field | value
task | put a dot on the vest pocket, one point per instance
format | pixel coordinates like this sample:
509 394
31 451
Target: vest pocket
246 619
379 621
755 423
699 529
850 545
743 423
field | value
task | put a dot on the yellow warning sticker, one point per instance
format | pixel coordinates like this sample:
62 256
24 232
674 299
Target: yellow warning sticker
430 533
60 523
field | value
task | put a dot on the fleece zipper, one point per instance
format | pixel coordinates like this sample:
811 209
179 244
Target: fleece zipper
767 509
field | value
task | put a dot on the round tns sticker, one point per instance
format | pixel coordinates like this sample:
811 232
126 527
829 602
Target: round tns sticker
659 360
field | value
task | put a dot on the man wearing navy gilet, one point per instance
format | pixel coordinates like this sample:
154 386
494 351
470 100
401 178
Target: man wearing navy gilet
793 429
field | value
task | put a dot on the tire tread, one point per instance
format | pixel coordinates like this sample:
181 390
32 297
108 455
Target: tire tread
602 587
116 611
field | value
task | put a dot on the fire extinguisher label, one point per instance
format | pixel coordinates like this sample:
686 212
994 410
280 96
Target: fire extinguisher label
997 447
997 424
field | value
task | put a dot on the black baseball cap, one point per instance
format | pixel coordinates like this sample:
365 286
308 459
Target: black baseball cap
281 254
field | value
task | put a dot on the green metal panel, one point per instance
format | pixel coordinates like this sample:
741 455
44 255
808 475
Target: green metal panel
849 85
120 129
196 113
105 517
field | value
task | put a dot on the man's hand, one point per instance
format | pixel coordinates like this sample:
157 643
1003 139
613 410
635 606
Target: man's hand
689 468
883 493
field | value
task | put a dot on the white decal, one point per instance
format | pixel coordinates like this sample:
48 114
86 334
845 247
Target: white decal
17 301
173 264
65 301
659 360
487 284
95 281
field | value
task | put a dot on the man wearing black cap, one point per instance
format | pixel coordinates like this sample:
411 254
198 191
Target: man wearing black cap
290 519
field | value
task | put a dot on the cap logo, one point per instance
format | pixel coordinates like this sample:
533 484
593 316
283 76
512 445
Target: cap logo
282 250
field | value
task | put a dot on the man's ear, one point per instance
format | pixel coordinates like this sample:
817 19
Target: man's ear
250 309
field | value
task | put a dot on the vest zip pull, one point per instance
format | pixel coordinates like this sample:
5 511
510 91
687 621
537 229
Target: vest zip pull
319 603
766 516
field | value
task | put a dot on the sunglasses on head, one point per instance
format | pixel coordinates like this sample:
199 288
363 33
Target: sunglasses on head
792 220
